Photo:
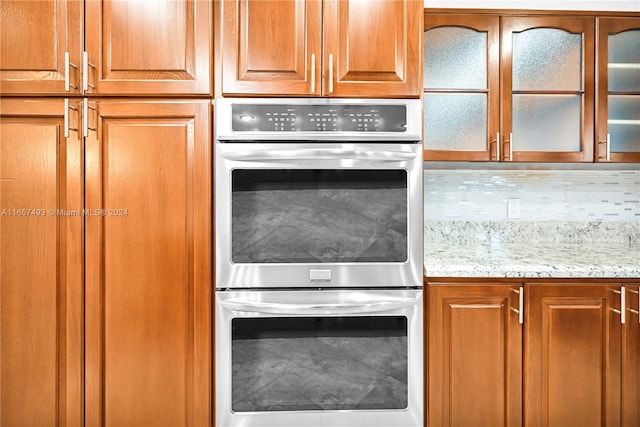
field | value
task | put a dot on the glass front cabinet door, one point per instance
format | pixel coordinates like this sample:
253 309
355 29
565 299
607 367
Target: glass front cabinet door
618 90
547 89
461 87
509 88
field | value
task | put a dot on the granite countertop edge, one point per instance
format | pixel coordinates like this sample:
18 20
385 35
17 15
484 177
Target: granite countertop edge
532 260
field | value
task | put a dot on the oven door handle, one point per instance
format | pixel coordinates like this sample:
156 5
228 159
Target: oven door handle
315 309
320 154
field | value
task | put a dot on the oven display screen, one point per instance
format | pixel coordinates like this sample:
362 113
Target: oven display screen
318 118
318 215
319 363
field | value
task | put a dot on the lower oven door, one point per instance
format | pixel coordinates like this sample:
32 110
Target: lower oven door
319 358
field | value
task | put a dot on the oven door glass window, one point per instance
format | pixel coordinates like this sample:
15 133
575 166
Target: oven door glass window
319 363
318 215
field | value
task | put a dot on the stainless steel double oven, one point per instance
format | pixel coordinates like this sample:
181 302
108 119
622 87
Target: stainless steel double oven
318 231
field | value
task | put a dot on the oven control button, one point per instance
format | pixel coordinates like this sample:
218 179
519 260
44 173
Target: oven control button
319 274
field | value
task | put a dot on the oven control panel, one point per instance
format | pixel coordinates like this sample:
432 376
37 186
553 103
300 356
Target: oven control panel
318 118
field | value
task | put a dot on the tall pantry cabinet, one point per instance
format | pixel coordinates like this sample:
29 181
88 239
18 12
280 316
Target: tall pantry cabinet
105 301
41 266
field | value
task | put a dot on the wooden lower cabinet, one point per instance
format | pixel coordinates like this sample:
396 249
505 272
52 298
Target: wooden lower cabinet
574 364
631 358
474 355
41 253
148 264
572 355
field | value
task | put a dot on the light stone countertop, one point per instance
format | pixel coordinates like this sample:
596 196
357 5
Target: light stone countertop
521 260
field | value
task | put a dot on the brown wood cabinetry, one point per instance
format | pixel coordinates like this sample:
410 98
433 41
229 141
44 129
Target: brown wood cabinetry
618 90
329 48
547 95
574 363
132 48
106 263
36 37
507 87
145 48
148 271
41 265
461 91
631 358
572 355
474 355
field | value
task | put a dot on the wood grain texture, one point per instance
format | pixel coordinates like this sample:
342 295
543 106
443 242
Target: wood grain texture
144 48
376 47
631 359
148 304
267 47
474 355
40 267
35 35
572 355
607 26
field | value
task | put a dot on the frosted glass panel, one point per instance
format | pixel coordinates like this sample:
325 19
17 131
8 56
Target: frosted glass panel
547 59
624 123
624 61
454 121
455 58
546 122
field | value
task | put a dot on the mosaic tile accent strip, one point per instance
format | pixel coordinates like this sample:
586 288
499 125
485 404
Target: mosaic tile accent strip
545 195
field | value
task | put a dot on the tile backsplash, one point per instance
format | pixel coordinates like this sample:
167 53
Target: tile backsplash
547 205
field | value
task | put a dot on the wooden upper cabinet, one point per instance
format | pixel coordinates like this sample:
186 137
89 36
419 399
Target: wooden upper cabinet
36 38
461 87
618 90
508 87
547 88
41 256
328 48
372 48
272 47
148 47
572 355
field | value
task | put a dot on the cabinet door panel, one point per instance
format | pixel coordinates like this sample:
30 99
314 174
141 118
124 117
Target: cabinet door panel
35 36
268 47
375 48
148 265
461 87
475 354
618 90
159 47
547 57
572 355
631 359
40 266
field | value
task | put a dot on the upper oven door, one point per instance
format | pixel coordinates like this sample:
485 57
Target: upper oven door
318 214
